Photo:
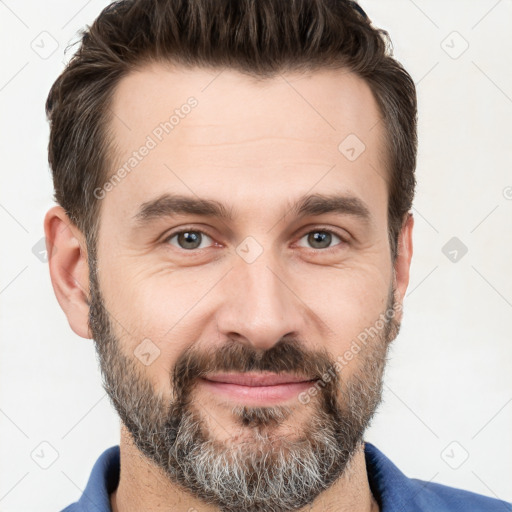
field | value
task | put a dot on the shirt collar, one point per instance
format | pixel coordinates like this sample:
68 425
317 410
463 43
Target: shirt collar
392 490
103 481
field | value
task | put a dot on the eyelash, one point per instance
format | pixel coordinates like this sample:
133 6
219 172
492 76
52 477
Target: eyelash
343 239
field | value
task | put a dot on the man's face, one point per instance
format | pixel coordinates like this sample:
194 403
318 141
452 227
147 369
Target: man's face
267 289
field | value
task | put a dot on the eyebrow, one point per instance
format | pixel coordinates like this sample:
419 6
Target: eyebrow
169 205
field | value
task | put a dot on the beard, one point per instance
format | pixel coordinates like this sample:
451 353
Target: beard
258 469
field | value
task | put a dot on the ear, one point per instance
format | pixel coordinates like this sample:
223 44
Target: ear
69 270
403 261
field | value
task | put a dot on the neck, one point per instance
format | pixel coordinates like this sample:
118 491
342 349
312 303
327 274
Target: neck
143 486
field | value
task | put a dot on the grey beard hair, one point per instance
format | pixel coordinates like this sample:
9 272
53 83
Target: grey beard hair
260 471
262 477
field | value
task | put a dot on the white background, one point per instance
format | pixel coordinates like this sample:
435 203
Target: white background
449 380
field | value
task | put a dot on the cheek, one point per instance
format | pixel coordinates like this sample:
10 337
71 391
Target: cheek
346 301
150 297
160 312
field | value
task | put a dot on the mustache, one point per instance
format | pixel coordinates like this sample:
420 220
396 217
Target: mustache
286 356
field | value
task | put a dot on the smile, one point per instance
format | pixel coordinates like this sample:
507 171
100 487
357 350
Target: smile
256 388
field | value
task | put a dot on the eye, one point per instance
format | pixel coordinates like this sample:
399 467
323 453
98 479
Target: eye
322 239
188 239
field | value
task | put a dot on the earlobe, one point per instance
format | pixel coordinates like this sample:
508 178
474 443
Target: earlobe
69 271
403 260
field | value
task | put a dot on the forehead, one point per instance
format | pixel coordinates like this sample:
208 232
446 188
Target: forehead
219 133
335 100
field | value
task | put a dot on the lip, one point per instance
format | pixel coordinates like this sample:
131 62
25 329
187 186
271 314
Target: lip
257 388
255 379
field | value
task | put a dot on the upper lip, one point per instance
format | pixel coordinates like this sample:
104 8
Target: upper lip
255 379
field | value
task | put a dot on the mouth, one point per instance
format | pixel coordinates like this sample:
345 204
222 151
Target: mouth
256 388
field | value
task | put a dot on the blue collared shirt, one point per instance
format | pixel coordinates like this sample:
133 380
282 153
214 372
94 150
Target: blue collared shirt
391 488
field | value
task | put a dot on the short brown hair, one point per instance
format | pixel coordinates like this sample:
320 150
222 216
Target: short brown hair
258 37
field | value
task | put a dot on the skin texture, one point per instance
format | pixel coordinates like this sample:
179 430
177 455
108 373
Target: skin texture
255 146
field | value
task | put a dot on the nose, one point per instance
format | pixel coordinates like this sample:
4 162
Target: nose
259 306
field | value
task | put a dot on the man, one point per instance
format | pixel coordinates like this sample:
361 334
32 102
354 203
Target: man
234 182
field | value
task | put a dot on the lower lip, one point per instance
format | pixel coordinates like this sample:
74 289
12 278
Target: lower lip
258 394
